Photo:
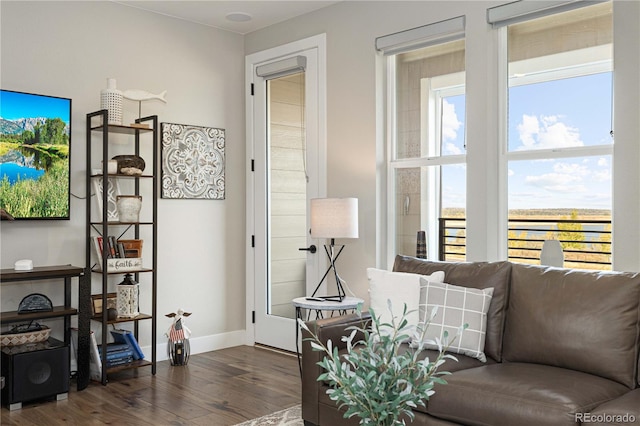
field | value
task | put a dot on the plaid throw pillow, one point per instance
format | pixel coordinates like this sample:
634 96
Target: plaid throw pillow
456 306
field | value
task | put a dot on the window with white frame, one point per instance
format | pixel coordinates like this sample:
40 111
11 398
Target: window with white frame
427 171
559 143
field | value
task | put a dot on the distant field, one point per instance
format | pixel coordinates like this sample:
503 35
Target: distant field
588 214
584 246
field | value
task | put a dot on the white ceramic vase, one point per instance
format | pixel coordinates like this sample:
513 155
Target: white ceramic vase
129 207
111 100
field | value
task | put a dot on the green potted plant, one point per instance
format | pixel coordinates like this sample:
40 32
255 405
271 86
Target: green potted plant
375 379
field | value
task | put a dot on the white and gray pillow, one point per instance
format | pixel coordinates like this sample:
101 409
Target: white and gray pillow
456 306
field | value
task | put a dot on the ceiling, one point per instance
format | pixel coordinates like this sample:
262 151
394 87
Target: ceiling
214 13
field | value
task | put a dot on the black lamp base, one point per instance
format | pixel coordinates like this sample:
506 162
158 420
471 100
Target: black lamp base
332 267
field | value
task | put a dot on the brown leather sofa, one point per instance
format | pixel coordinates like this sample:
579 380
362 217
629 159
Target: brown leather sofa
562 348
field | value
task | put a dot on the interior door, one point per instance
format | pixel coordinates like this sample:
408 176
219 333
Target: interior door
287 174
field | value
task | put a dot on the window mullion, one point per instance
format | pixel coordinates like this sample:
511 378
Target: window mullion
543 154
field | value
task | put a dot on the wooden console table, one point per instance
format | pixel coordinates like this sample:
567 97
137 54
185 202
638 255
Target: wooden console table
66 311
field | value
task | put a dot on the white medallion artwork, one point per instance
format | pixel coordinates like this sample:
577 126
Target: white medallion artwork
192 162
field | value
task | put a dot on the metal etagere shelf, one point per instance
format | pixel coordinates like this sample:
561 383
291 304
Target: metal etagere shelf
100 134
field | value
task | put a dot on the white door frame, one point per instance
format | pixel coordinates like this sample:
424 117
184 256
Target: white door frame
251 61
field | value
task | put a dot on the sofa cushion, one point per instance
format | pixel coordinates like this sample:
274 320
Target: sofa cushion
520 394
583 320
456 305
476 275
400 288
624 410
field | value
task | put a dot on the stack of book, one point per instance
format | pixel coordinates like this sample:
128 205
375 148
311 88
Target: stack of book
110 247
124 350
126 337
117 354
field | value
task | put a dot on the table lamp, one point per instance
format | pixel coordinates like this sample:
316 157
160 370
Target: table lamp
334 218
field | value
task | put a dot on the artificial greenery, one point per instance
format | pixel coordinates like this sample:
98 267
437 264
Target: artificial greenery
379 379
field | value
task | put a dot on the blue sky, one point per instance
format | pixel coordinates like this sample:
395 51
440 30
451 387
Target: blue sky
14 105
562 113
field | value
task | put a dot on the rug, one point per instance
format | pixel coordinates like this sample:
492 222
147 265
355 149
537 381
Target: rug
287 417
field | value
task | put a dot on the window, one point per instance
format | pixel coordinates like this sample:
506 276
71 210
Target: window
559 146
427 167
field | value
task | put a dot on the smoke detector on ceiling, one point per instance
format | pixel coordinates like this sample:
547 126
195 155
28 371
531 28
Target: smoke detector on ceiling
238 17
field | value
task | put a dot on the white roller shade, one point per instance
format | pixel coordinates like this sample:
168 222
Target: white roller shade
427 35
282 67
519 11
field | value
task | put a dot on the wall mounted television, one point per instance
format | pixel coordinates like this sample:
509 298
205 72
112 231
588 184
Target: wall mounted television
35 152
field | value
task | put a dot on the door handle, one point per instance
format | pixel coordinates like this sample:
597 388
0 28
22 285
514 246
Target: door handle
312 248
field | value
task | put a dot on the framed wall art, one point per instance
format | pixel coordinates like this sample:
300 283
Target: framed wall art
96 303
193 162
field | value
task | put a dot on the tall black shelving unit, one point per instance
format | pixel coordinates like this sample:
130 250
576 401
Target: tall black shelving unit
100 140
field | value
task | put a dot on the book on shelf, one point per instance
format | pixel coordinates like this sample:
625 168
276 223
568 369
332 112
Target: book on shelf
97 245
121 249
126 336
118 355
119 361
113 247
95 364
115 347
74 349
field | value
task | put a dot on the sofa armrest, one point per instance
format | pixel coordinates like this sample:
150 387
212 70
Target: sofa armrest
326 329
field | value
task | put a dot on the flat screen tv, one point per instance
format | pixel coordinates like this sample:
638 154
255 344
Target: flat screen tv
35 148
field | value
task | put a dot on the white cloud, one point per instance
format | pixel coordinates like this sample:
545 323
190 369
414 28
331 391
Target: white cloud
527 129
603 162
546 132
452 149
565 178
602 175
571 169
450 126
510 172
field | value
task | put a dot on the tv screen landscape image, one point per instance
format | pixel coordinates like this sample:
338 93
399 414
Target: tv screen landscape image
35 146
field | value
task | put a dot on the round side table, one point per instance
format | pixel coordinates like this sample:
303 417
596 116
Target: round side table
319 305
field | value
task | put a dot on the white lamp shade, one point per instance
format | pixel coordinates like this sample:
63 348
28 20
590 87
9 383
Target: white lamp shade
334 218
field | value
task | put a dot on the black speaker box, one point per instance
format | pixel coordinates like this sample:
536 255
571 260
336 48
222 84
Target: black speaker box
35 371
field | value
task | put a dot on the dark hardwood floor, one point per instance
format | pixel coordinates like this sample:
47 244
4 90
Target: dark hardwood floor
223 387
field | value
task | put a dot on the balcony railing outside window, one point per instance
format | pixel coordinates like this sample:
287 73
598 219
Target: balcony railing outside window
586 244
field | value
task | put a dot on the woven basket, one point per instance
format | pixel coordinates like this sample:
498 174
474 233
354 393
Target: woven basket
24 338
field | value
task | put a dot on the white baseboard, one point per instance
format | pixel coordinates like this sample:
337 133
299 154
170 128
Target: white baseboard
203 344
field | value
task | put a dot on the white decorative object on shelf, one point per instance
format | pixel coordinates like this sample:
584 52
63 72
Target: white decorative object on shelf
112 167
143 95
23 265
127 298
128 264
113 190
111 100
129 207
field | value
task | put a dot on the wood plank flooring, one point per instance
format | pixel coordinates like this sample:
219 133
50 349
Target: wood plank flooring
217 388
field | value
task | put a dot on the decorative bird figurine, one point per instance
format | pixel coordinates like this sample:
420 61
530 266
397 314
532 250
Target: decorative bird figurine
143 95
178 330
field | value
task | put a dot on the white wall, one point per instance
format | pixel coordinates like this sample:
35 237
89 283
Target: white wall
355 116
68 49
